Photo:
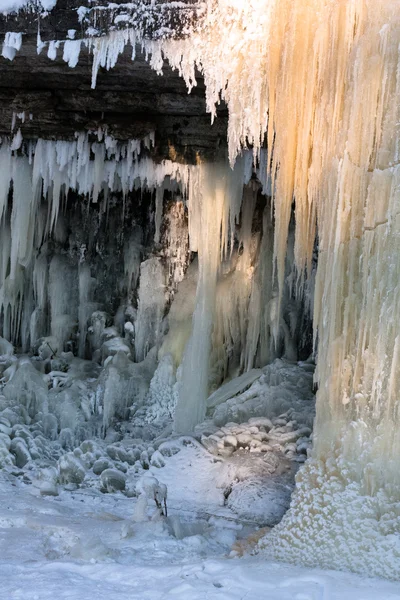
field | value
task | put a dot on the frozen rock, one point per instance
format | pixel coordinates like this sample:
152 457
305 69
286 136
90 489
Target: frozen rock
265 448
243 439
20 450
88 459
27 388
6 458
144 459
262 500
261 422
117 453
230 440
209 444
66 439
170 448
101 465
46 481
112 481
4 429
157 459
11 416
226 451
89 446
279 422
50 426
140 509
121 466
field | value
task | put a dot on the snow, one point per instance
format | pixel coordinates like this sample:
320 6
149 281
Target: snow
11 6
86 545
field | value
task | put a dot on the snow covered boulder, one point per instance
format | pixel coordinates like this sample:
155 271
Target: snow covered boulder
262 500
46 481
112 481
101 465
157 460
5 440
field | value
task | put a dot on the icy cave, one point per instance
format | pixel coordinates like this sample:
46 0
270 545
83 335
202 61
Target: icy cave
200 286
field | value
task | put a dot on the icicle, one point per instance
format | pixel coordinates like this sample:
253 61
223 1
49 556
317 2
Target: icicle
12 44
209 203
72 49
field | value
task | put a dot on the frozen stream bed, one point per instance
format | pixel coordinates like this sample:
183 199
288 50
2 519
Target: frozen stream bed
84 545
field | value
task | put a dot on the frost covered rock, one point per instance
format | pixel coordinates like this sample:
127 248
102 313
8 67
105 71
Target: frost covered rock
261 500
101 465
140 509
71 469
118 453
112 481
157 460
282 386
5 440
20 450
233 387
169 448
123 384
50 426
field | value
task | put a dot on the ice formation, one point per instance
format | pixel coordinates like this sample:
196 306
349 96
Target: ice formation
320 81
317 81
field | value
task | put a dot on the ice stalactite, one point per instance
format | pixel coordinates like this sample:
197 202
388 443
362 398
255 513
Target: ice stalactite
215 196
37 181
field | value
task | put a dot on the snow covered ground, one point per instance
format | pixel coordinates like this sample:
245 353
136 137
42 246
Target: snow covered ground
78 519
84 544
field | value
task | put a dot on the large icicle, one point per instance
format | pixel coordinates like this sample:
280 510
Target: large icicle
215 191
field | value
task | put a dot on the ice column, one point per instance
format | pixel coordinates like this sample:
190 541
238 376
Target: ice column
213 190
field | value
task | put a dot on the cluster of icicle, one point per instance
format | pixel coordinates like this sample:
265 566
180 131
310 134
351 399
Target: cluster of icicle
234 297
320 80
40 175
